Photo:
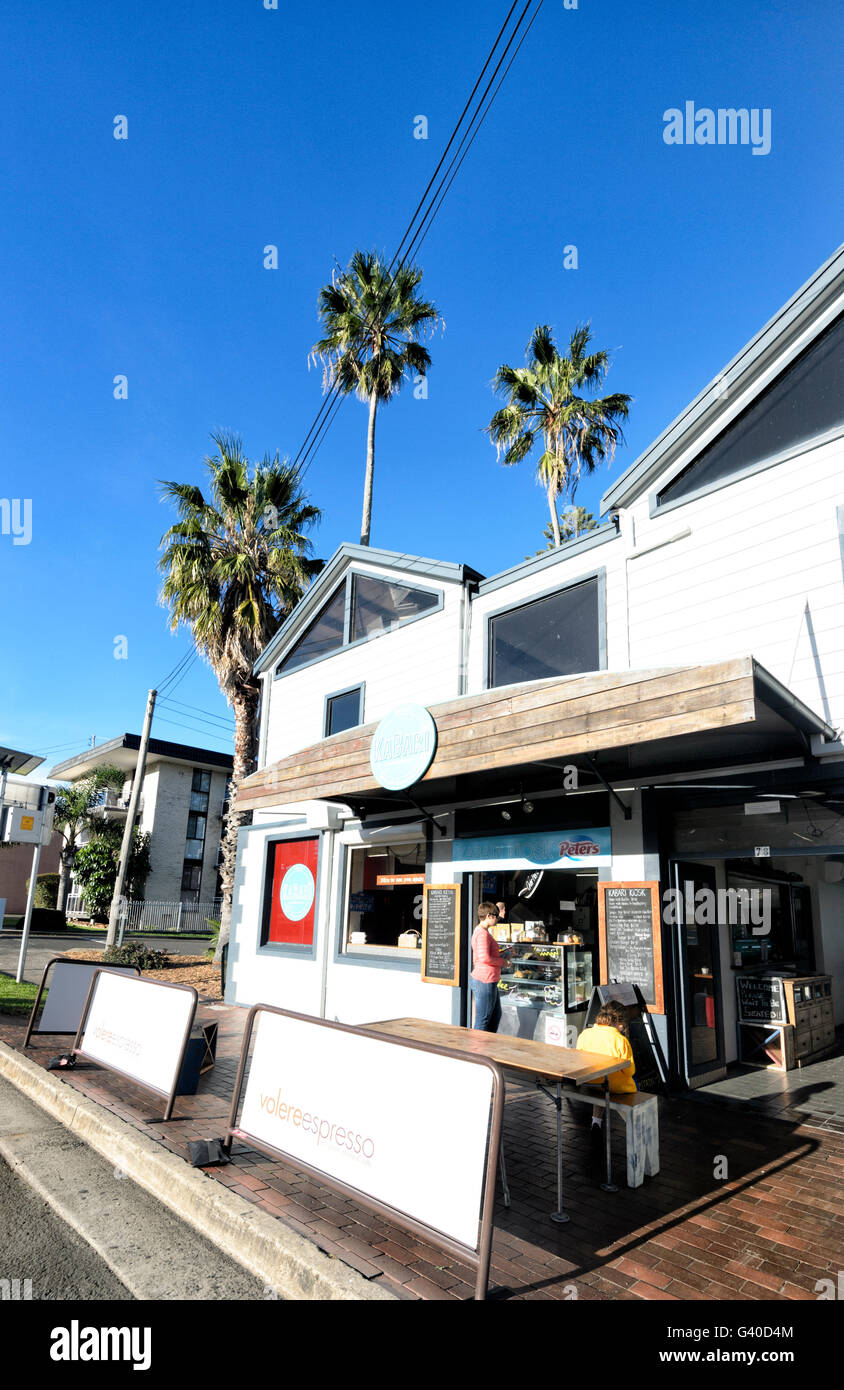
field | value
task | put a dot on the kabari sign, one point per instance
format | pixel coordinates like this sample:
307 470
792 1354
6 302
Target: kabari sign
403 747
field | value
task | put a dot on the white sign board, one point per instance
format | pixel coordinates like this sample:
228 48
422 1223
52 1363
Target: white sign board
138 1027
69 985
403 1126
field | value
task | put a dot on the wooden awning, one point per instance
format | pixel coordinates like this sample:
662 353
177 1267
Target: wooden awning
545 720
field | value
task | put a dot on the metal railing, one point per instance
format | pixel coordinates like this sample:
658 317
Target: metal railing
144 916
168 917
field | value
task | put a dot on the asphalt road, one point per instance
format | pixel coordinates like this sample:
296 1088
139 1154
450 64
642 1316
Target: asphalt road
40 1256
41 948
77 1227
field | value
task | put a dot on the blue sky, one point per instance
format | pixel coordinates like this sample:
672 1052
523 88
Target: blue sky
294 127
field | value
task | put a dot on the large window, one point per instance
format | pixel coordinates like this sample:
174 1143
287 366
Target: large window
805 402
384 900
362 608
558 635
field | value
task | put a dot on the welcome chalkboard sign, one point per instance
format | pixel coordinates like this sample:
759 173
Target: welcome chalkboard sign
761 999
630 938
441 934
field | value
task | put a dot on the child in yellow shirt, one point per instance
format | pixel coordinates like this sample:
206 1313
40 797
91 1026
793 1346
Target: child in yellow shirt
608 1035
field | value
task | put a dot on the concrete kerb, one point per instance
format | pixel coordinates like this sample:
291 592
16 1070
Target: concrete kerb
285 1261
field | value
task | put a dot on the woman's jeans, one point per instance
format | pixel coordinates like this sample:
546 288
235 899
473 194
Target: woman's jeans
487 1006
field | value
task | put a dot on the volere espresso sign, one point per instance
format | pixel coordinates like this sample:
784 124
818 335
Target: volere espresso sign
139 1029
403 747
403 1125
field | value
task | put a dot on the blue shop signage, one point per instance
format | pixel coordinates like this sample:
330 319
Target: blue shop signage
403 747
560 849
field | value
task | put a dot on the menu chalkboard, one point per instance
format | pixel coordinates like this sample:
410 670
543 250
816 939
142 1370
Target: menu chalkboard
761 999
441 934
630 936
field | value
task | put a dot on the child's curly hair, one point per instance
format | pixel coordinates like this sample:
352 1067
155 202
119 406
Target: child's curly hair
613 1015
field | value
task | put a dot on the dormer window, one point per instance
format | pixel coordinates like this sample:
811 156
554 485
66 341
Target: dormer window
362 608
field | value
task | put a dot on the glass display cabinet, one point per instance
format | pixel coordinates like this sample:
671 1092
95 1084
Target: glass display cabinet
546 974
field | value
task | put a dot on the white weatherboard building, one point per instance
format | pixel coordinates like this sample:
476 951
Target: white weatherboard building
686 660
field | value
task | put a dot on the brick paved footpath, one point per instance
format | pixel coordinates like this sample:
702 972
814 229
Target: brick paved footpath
771 1230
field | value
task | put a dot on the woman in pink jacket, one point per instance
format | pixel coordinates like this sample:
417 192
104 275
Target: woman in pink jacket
486 970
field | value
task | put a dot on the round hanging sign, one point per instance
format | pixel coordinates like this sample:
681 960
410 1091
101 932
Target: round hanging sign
403 747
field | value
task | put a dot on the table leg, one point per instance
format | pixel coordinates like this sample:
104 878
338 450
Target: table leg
559 1215
503 1171
609 1185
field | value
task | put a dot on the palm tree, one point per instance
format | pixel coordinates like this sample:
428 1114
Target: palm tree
543 398
234 567
372 319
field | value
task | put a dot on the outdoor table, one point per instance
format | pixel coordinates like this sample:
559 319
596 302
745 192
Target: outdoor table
522 1055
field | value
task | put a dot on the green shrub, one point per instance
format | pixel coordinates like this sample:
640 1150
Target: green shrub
136 953
46 891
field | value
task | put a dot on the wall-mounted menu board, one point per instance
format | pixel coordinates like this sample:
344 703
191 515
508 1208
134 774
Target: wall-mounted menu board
441 934
761 999
630 936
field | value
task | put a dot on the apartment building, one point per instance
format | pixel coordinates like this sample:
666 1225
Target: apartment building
183 804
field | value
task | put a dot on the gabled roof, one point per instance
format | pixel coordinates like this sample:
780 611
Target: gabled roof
788 324
331 575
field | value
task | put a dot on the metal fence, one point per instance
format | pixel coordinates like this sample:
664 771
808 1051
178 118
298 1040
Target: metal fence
155 917
168 917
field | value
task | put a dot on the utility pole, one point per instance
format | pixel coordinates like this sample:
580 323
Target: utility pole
126 846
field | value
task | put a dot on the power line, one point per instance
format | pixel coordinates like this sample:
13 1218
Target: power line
185 667
220 731
181 665
195 709
328 409
433 213
164 719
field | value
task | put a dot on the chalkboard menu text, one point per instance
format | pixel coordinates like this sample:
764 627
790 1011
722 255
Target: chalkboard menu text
441 934
761 999
630 936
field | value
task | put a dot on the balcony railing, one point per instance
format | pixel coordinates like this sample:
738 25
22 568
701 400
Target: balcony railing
112 802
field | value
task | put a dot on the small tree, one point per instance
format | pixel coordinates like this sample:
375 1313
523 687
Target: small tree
573 522
75 813
96 868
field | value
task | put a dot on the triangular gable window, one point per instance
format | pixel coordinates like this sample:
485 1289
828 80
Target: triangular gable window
805 402
325 634
362 608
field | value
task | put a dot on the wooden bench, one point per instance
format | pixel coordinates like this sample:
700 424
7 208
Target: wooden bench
640 1113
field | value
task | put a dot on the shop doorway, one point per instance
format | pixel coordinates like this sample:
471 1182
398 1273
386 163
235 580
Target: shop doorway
550 924
697 965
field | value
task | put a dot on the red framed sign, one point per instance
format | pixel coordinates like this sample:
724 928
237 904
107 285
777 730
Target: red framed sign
291 892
